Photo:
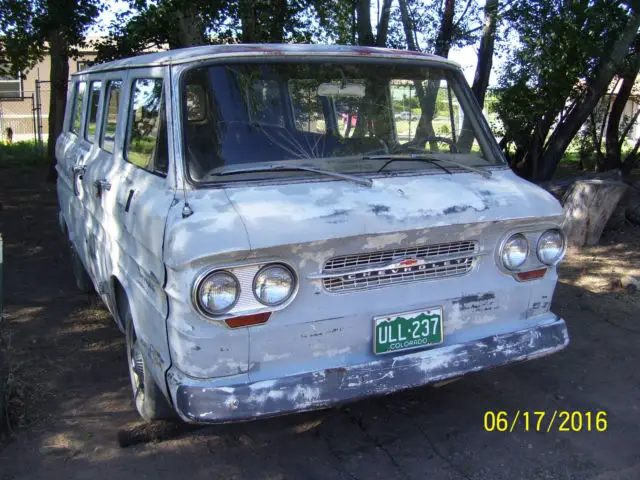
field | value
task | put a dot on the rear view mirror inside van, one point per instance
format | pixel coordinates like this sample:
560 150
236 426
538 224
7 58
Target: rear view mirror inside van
346 90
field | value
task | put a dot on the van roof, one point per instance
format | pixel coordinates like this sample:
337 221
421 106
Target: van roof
246 50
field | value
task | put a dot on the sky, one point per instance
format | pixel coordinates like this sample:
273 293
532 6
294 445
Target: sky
467 57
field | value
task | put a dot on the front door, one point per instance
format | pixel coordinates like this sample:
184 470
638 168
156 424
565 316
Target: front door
131 195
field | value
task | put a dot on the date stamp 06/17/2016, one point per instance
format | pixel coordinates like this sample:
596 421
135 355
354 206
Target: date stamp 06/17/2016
545 421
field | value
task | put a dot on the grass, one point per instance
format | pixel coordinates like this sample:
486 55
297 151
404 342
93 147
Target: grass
22 153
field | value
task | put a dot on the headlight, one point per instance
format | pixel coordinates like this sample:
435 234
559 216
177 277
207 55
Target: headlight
551 247
514 251
274 284
217 292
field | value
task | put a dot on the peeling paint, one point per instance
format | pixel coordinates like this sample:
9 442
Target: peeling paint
332 352
383 241
270 358
320 389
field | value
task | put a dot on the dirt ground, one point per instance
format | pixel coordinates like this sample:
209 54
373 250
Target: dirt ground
69 365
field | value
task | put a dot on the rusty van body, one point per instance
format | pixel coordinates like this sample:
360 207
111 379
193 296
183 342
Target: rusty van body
273 234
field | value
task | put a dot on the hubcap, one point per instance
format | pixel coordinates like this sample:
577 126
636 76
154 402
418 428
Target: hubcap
137 365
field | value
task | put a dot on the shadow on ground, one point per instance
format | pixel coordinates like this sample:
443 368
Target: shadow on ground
69 347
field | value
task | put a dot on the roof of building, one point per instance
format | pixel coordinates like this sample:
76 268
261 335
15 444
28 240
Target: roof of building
191 54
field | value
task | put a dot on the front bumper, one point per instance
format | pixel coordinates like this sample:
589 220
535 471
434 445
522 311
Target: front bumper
196 401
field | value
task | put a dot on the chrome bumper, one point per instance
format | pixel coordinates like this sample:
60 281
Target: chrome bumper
197 401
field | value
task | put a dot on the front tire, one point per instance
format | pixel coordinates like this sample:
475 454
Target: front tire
147 397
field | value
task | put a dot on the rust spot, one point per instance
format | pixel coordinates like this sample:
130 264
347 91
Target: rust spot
475 298
379 209
477 303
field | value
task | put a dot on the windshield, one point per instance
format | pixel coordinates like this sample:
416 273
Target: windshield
342 116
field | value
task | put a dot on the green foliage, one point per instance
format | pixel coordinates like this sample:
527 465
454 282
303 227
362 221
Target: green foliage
26 26
22 153
560 46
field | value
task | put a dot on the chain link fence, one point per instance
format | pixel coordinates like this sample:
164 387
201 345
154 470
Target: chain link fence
26 118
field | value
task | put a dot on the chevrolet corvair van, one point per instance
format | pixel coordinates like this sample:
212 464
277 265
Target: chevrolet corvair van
280 228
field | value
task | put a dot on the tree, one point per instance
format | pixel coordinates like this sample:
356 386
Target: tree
34 27
165 23
570 50
609 62
449 32
483 69
617 130
272 21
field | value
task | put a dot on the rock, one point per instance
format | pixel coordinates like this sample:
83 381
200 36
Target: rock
633 214
618 217
52 450
632 284
588 205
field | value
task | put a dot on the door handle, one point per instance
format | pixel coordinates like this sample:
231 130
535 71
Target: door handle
101 186
77 172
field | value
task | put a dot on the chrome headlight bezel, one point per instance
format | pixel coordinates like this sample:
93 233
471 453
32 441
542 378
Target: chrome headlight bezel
562 249
292 289
198 283
509 266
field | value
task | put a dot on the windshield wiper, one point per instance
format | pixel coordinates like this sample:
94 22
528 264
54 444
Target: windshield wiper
279 167
426 158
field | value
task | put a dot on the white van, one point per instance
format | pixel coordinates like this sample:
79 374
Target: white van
273 234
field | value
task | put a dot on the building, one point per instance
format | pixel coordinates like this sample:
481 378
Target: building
24 100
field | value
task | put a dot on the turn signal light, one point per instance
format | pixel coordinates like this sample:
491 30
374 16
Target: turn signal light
248 320
531 275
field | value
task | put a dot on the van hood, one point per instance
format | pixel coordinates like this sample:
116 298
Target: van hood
243 218
305 212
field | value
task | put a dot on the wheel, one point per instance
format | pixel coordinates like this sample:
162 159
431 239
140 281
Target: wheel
147 397
83 282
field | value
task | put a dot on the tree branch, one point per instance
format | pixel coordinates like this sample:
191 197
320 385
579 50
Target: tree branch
464 12
629 126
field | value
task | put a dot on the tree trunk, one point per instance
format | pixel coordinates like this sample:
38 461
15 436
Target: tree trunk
566 130
365 34
407 25
426 97
485 54
59 75
248 21
424 129
190 28
383 25
613 142
443 41
276 33
483 70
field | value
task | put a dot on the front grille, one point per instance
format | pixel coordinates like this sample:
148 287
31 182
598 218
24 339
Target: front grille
371 270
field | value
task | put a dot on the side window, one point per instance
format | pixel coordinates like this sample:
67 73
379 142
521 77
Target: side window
78 101
110 115
92 117
146 136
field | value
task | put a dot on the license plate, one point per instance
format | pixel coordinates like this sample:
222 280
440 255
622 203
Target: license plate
406 331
